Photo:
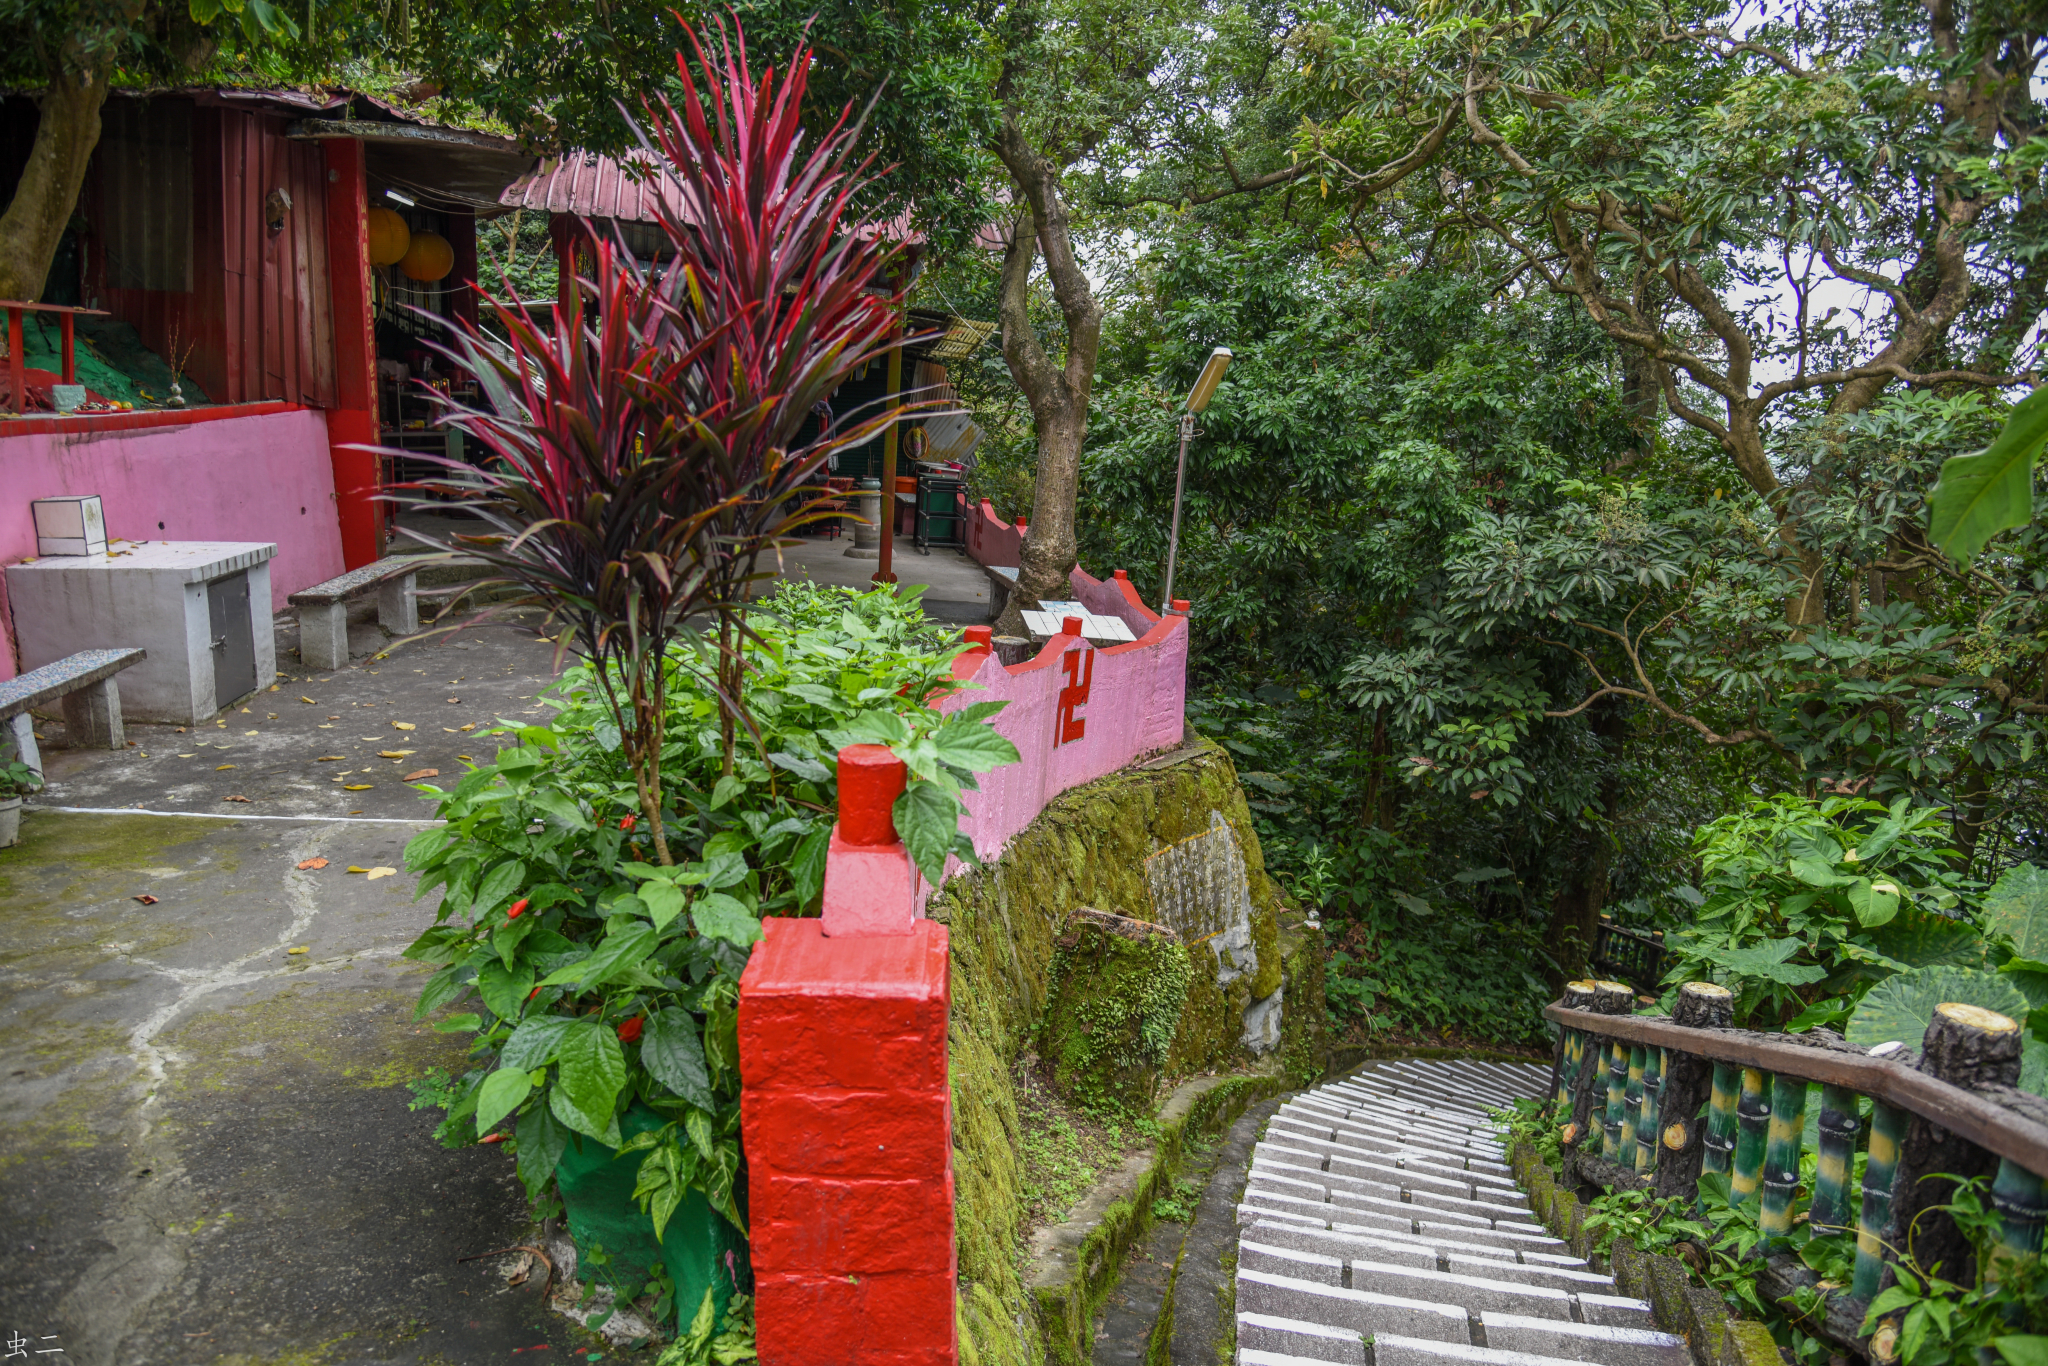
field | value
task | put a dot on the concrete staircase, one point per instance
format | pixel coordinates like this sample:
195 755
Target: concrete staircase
1380 1226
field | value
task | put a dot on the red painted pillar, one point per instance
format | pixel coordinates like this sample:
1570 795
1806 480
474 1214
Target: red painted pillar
353 419
846 1113
462 276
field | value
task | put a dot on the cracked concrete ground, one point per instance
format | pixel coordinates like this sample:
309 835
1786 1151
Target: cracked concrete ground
207 1155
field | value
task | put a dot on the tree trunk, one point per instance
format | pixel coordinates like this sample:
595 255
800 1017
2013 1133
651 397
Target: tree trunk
1058 394
1576 906
43 201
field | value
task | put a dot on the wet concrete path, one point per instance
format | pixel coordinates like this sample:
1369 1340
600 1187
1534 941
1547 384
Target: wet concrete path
208 1155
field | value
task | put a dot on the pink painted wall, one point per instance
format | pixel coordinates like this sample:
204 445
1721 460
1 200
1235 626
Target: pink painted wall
1136 699
260 478
991 540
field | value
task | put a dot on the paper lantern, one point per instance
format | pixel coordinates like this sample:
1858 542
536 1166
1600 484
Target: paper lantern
428 258
389 237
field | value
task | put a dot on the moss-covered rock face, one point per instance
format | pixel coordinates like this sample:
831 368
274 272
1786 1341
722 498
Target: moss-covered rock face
1119 987
1092 847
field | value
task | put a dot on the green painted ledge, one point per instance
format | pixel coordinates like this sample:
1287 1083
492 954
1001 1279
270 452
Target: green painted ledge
1710 1328
1073 1265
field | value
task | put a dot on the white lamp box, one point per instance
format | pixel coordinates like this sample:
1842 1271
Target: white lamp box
201 609
72 524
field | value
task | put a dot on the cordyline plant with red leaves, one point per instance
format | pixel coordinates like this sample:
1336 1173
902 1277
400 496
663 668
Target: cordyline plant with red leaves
639 462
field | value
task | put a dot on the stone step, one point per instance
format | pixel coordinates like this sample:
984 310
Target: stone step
1584 1341
1319 1267
1252 1356
1381 1224
1394 1216
1361 1311
1563 1277
1357 1138
1473 1293
1394 1350
1389 1236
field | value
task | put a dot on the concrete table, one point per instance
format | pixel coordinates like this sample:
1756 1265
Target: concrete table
200 608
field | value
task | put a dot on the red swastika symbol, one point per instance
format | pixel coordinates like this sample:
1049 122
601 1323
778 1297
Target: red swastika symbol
1080 667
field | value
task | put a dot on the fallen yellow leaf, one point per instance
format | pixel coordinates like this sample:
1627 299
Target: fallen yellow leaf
357 787
249 732
465 758
353 869
376 873
188 756
309 701
470 726
394 753
329 758
300 949
222 768
405 725
449 729
372 738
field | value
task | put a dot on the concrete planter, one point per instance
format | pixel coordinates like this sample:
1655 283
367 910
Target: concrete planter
10 821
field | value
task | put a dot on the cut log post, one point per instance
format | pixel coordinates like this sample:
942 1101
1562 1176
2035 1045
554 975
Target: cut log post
1589 1088
1647 1113
1753 1128
1571 1047
1687 1084
1836 1159
1880 1170
1782 1142
1966 1046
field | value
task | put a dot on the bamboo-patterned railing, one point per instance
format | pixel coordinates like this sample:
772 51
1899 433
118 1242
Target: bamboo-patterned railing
1631 1090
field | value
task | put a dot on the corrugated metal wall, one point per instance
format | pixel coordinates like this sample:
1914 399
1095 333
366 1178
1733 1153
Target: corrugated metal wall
257 310
277 307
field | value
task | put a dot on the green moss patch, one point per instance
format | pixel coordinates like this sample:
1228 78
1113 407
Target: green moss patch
1119 988
1088 848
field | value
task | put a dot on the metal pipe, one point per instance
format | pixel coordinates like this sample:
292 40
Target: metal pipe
1180 478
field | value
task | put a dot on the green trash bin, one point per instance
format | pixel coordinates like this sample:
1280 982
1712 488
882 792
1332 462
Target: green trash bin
699 1245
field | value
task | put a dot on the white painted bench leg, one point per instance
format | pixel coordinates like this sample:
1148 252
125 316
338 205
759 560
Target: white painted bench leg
21 729
323 636
92 716
398 605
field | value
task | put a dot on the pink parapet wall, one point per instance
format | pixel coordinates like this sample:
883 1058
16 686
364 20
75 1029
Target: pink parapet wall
991 541
1077 712
264 477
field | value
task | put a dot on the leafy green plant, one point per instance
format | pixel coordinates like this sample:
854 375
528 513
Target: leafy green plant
1641 1218
1992 491
1806 901
17 779
1177 1206
1532 1122
605 979
642 461
733 1344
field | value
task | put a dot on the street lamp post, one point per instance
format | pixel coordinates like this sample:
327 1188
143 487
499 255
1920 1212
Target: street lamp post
1198 399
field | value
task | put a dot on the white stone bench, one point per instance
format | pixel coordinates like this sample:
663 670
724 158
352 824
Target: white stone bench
92 701
323 608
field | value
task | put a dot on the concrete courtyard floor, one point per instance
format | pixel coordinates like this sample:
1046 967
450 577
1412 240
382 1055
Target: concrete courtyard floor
208 1156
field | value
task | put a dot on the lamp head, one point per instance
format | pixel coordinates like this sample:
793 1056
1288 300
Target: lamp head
1206 382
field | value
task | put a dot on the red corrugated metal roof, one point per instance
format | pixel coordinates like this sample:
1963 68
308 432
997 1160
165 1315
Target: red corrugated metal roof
591 186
